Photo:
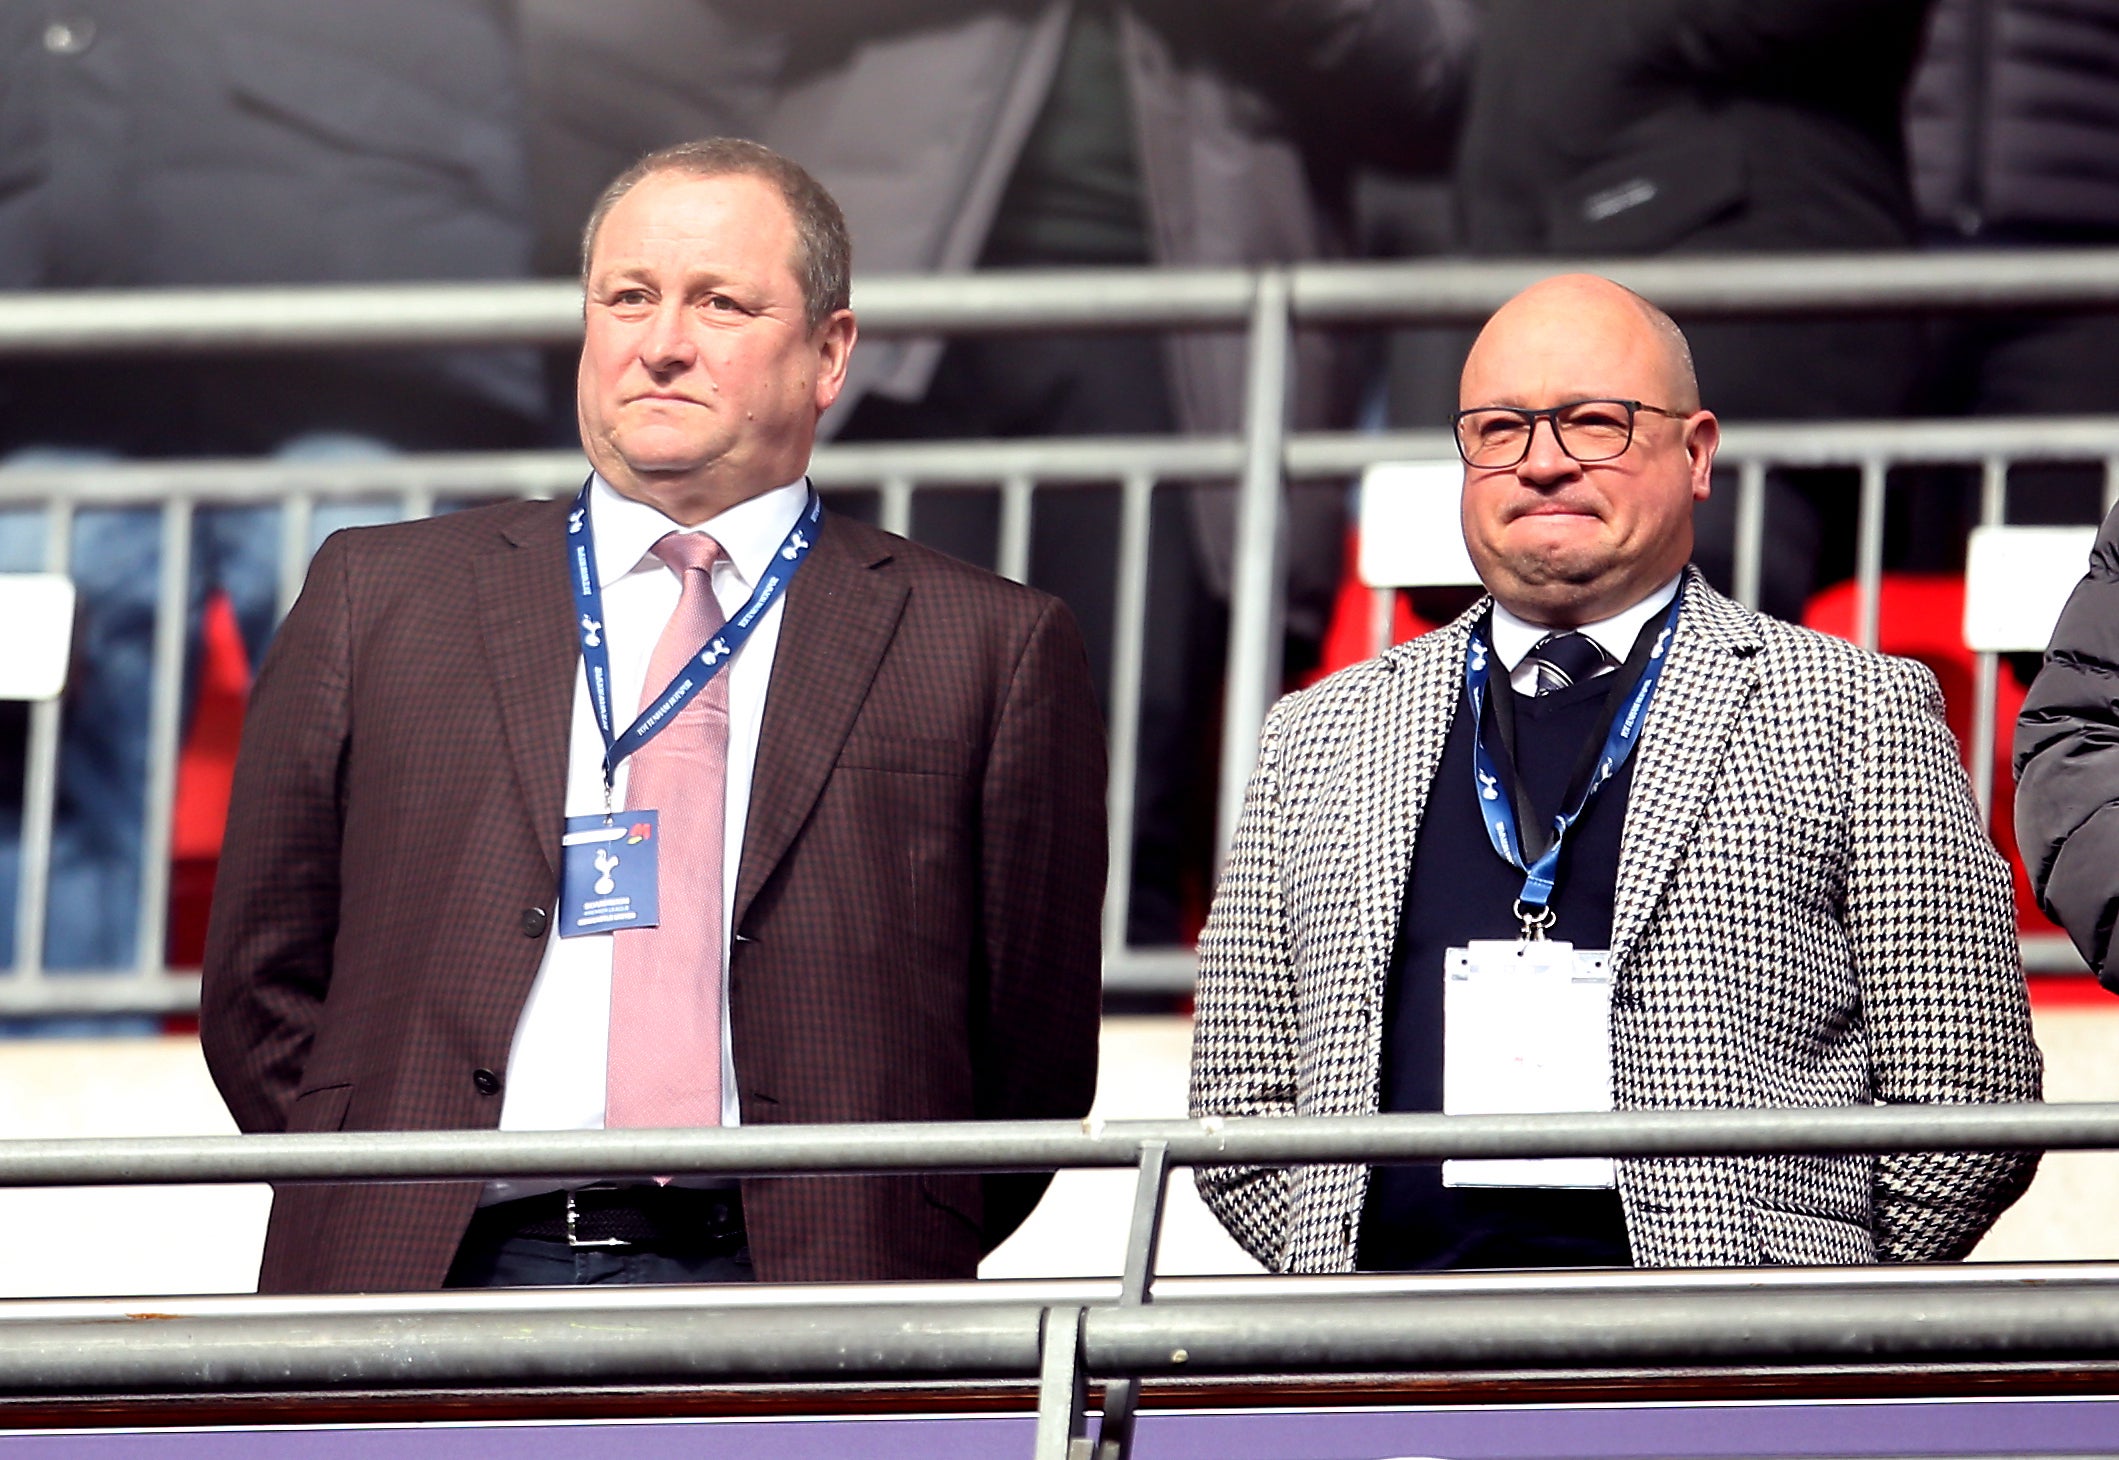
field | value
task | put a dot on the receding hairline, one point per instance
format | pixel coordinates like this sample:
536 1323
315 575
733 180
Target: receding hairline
823 252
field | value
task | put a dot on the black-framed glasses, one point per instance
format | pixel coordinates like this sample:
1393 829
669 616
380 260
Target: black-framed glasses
1490 437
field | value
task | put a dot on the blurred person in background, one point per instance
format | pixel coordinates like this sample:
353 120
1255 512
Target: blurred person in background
232 142
1598 128
2012 124
1060 134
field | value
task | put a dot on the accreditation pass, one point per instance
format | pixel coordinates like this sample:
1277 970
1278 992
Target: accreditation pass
1526 1030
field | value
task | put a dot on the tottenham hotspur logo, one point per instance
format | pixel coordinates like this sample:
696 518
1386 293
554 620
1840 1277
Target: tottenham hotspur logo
796 542
590 631
574 520
714 653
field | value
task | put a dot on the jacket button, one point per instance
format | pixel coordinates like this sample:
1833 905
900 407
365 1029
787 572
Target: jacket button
534 922
487 1082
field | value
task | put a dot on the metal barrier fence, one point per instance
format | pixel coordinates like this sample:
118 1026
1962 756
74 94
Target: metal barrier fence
1063 1333
1266 304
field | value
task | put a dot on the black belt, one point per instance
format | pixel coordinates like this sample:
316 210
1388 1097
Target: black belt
668 1218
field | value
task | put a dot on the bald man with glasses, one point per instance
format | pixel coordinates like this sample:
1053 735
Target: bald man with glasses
1609 839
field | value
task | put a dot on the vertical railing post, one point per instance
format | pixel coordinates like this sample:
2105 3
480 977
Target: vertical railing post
1062 1392
1128 655
1114 1437
1013 559
40 789
1257 581
1869 556
297 521
897 506
164 730
1986 687
1750 546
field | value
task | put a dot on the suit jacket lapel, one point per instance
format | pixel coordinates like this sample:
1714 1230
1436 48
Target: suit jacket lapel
1388 775
527 622
1709 680
840 617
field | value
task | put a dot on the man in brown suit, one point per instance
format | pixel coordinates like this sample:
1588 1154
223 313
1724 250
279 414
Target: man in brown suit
914 871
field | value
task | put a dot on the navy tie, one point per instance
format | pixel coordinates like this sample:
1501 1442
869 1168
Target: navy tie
1565 659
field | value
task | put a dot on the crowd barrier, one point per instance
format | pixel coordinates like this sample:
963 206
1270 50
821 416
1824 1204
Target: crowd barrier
1267 305
1062 1334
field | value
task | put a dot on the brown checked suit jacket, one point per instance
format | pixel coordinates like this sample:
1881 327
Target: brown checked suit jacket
917 907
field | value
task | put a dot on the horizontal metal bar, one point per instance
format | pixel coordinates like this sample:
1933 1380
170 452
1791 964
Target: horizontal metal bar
300 1351
1433 291
1703 286
321 1345
259 479
1534 1330
1150 970
1794 443
1047 1292
1081 461
58 322
1047 1145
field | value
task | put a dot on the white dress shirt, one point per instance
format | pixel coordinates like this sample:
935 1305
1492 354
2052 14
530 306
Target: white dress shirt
1514 638
556 1064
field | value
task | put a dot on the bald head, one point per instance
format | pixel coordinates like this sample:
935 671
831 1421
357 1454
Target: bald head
1561 541
1628 327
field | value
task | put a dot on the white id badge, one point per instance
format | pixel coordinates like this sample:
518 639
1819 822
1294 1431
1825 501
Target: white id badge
1526 1029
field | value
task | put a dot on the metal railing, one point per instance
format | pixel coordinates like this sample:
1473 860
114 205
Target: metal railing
1266 304
1062 1333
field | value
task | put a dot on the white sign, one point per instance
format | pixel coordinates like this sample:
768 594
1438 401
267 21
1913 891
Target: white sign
1411 533
34 653
2016 581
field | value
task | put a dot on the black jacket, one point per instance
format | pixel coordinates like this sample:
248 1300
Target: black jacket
2013 120
1641 126
2067 764
228 142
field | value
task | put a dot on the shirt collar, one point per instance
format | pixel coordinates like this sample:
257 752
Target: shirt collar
749 532
1514 637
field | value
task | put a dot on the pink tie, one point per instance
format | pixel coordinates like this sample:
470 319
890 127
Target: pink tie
665 1052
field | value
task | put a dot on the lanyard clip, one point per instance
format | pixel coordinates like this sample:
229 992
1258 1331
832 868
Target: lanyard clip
1535 921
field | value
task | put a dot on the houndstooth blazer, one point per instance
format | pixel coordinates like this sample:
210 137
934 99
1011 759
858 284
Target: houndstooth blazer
1808 914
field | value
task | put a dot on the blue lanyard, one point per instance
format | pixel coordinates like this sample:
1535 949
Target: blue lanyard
1497 807
702 667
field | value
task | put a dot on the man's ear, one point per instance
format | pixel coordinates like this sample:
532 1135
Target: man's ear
833 341
1703 433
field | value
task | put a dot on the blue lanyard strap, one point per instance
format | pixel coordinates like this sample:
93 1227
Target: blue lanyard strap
703 666
1496 804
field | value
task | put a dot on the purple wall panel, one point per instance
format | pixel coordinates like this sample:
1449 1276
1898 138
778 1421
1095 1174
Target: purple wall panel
1562 1432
